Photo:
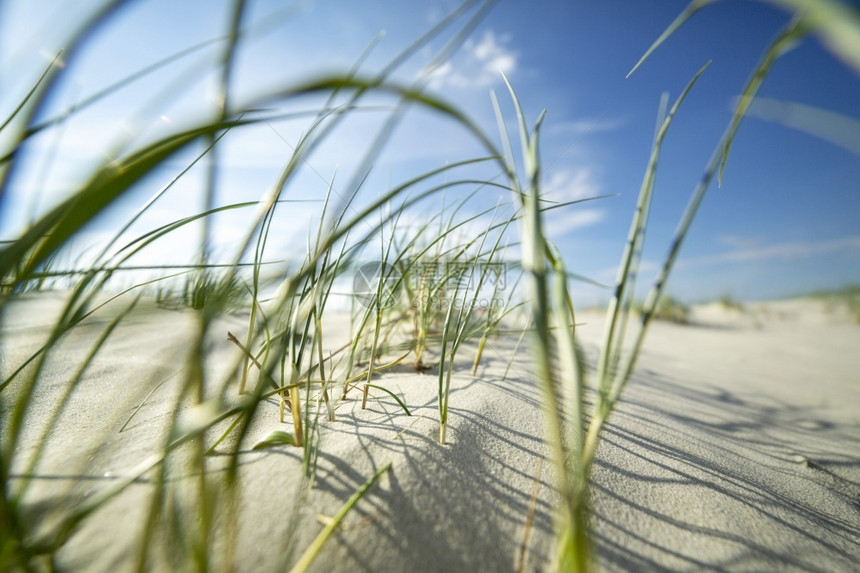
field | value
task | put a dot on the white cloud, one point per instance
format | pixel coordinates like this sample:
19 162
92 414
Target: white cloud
738 242
479 64
569 184
586 126
570 219
645 274
743 250
783 251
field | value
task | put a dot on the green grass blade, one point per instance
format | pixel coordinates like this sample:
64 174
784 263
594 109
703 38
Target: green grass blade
785 41
32 91
836 23
55 228
682 18
627 268
314 548
393 395
276 438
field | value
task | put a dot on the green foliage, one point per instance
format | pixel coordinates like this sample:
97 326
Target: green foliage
205 290
845 299
669 309
276 438
672 310
728 302
281 354
284 342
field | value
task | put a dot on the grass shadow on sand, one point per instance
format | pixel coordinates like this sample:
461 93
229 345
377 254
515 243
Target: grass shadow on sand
699 477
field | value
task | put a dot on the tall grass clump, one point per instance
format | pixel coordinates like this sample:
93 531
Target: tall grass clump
845 299
729 302
460 315
573 435
280 354
190 514
669 309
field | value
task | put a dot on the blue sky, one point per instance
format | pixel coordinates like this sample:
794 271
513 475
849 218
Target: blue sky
785 219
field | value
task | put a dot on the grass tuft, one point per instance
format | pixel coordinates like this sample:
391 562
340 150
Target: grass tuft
436 291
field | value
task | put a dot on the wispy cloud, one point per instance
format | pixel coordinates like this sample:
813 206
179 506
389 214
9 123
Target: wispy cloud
479 64
738 242
743 251
559 224
586 126
789 251
570 184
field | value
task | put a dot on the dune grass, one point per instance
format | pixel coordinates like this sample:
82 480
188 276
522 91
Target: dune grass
424 300
669 309
282 351
845 299
729 302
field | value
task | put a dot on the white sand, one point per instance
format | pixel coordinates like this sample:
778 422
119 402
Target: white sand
736 447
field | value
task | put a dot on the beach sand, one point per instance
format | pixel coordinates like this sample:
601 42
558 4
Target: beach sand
734 448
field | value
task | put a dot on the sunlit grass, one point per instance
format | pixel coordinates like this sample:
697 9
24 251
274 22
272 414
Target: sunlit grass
729 302
422 305
845 299
280 354
669 309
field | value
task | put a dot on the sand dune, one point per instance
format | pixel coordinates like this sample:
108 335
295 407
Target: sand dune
735 448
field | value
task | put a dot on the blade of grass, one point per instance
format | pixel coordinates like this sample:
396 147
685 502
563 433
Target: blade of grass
314 548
